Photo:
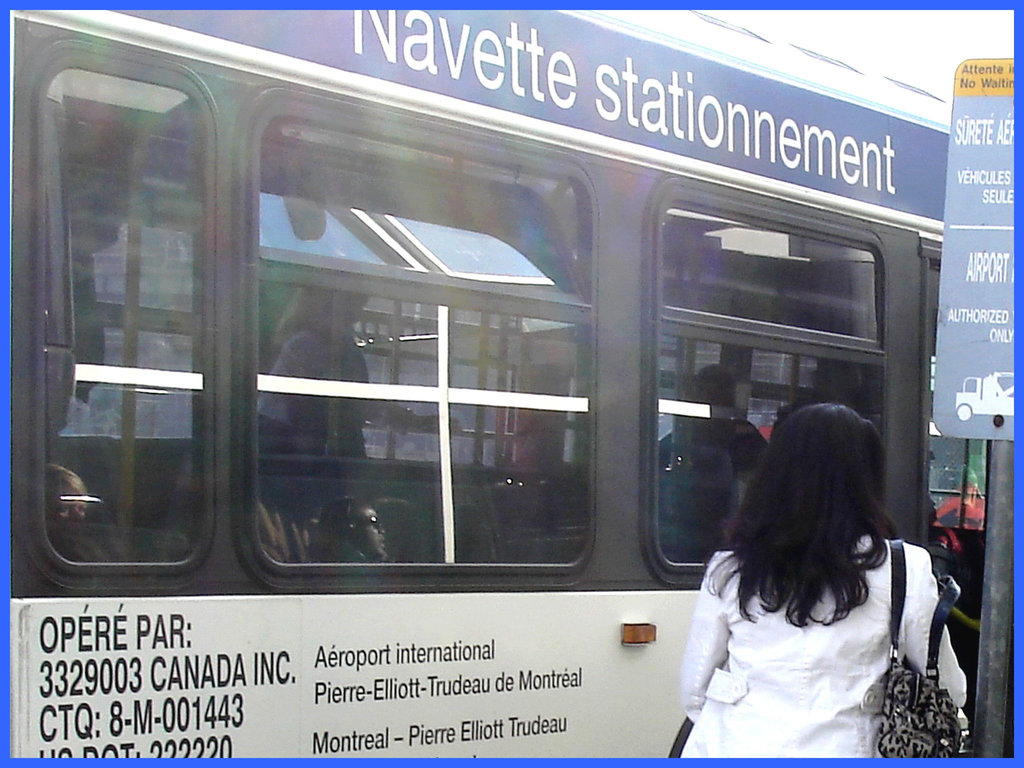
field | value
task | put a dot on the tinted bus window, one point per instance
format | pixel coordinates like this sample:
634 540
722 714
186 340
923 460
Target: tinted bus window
718 401
124 173
403 416
725 267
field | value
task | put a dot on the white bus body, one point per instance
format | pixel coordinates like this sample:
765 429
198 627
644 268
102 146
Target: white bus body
222 651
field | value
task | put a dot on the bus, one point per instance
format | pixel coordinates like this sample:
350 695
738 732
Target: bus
381 380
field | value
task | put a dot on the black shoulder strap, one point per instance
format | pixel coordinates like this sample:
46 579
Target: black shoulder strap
949 591
898 564
681 737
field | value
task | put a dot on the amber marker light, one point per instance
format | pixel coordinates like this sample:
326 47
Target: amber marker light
639 634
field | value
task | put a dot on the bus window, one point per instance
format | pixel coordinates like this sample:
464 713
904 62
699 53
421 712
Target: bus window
334 429
280 230
390 385
717 265
718 404
718 401
124 455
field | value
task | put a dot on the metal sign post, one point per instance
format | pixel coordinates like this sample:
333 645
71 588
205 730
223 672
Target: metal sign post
995 646
974 351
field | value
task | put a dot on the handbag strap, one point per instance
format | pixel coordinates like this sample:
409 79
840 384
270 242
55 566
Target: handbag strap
949 591
898 565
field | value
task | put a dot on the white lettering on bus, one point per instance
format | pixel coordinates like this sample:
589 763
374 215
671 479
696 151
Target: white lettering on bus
712 123
496 60
515 59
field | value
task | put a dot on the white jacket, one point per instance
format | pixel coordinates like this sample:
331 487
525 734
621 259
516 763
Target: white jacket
769 689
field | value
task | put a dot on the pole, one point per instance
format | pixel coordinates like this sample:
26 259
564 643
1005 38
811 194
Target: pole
995 644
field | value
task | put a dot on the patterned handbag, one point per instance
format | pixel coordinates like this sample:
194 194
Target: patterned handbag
919 717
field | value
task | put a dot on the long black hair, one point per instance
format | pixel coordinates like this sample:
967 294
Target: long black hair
818 491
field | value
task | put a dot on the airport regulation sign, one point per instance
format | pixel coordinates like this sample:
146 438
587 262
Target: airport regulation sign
973 394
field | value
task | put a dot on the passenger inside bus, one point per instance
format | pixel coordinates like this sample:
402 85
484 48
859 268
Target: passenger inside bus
706 464
319 446
66 497
283 540
348 531
316 341
81 528
69 525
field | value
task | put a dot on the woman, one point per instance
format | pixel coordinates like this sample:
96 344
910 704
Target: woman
789 643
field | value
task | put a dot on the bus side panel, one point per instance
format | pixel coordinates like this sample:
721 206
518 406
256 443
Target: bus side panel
457 675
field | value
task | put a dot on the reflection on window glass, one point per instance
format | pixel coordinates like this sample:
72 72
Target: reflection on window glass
394 430
460 253
718 405
333 443
716 265
124 473
520 467
719 402
164 283
293 224
331 437
419 211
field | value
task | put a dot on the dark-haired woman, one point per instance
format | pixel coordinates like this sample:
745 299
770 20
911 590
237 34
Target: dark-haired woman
789 643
